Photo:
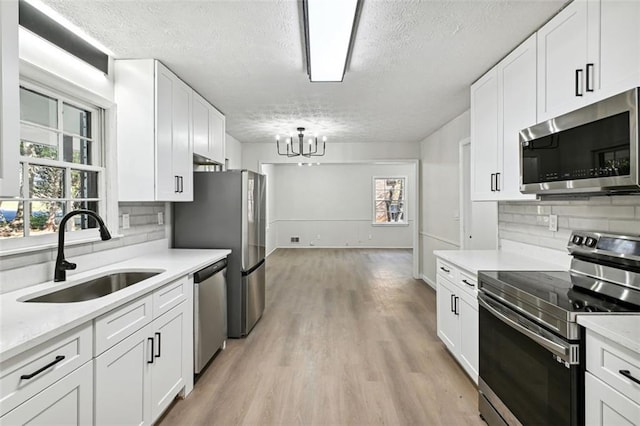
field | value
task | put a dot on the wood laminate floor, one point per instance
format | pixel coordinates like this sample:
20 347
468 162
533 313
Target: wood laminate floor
348 337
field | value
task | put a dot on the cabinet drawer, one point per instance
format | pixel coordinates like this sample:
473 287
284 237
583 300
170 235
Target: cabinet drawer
169 296
122 322
606 359
468 282
605 406
447 270
69 401
63 354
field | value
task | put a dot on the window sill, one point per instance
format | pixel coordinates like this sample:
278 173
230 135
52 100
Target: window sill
391 224
53 245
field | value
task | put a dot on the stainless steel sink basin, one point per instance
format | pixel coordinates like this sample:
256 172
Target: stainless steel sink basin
94 288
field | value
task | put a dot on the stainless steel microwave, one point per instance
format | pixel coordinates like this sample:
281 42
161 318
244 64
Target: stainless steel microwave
591 150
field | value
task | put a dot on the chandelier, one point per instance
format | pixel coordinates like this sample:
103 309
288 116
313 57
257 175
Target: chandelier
311 146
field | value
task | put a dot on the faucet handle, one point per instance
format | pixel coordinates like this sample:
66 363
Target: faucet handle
67 266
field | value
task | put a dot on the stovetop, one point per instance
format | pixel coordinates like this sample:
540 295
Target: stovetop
569 292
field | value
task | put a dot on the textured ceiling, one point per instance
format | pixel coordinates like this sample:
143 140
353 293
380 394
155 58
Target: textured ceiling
410 71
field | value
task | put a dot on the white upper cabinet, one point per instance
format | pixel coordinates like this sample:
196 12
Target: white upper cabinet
484 136
155 150
9 99
563 54
208 130
200 123
619 47
588 52
517 110
503 102
217 136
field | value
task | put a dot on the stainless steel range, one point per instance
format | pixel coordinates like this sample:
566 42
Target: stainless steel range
531 347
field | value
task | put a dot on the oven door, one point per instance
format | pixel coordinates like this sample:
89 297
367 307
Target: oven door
526 372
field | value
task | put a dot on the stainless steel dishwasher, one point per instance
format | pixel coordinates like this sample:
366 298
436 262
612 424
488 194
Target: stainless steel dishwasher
210 312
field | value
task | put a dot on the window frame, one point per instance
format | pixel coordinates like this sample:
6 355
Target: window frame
405 202
100 113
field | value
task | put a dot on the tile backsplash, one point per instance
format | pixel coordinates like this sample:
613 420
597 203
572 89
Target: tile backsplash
143 219
528 221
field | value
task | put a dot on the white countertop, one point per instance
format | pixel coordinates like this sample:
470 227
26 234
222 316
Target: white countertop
26 325
493 260
620 328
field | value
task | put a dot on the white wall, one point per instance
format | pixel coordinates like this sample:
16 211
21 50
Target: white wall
331 205
440 189
253 154
233 152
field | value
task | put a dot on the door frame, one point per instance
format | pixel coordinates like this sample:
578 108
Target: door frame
462 173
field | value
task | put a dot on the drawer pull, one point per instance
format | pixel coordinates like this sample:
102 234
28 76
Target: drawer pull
627 374
159 336
445 269
150 339
468 283
51 364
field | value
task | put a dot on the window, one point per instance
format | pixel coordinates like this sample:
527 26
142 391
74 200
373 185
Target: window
60 165
389 205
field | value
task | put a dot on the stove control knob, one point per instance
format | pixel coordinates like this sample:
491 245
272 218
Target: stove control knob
590 242
577 240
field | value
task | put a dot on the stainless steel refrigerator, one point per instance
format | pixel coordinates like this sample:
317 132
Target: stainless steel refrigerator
228 211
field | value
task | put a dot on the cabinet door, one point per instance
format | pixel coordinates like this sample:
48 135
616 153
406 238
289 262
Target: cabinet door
447 320
200 126
167 180
167 372
218 135
122 381
517 100
619 46
562 59
69 401
174 151
9 99
484 136
182 148
468 356
605 406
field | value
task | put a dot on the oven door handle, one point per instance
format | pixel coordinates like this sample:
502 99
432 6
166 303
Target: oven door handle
561 350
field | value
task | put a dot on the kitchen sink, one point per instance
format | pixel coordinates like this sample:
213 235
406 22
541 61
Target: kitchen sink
94 288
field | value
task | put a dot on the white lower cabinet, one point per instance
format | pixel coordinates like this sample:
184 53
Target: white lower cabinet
123 368
69 401
468 354
612 391
457 315
606 406
139 377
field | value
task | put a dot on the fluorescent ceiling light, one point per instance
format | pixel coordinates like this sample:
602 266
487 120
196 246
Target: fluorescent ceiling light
329 27
68 25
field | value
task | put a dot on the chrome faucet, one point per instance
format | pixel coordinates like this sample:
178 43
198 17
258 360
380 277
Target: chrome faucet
62 265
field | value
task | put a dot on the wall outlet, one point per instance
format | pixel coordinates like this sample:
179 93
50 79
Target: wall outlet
553 222
160 218
369 236
295 239
125 221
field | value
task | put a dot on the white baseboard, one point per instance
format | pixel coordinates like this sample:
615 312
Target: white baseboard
428 281
344 247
